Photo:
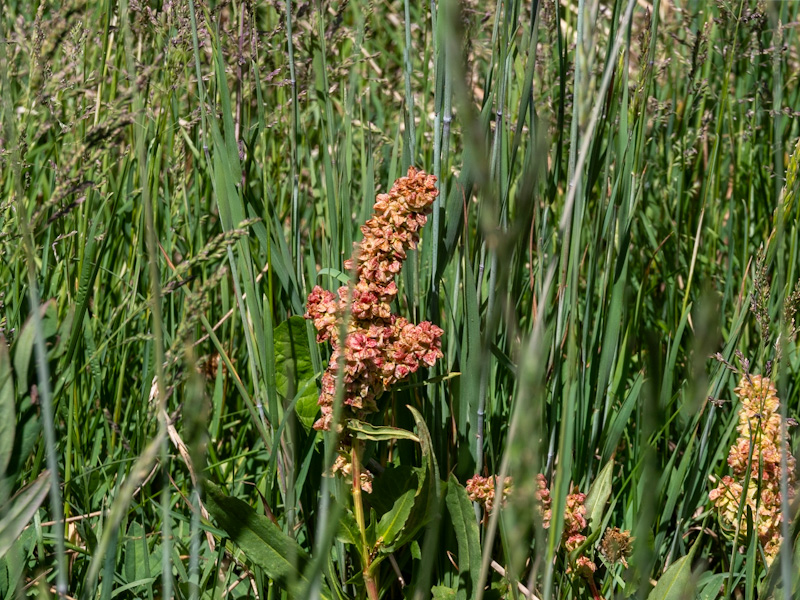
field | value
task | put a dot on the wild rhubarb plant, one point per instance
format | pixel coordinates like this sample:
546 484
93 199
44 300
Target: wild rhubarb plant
373 348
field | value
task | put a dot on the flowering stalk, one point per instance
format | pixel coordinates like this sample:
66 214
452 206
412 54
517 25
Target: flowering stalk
573 534
755 461
370 580
379 347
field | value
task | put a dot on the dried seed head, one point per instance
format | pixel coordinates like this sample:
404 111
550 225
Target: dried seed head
616 546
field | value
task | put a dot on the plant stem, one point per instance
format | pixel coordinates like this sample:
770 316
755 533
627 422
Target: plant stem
370 581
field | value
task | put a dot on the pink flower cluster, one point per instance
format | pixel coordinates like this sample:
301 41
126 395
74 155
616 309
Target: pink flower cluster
760 429
380 348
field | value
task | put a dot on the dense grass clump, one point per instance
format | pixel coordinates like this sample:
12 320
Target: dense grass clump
597 311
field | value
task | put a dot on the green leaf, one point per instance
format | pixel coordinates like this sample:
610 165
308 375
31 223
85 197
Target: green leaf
708 588
3 578
140 562
427 493
365 431
263 542
27 432
348 532
416 551
7 413
426 444
442 592
389 485
393 522
21 509
340 275
23 348
294 372
12 562
598 496
467 536
678 581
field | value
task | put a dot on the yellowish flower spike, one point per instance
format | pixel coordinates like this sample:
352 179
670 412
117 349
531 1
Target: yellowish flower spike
757 451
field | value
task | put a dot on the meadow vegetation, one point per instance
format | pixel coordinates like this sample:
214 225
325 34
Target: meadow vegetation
590 299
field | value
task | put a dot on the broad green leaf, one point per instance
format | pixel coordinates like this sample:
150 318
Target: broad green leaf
294 373
348 532
708 588
390 484
13 560
677 582
140 562
442 592
598 496
3 578
7 413
21 509
393 522
467 536
427 494
365 431
23 352
263 542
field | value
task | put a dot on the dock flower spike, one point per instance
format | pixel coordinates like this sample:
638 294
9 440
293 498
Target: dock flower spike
755 463
380 348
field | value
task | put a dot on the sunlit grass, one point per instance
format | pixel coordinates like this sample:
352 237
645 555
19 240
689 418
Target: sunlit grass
617 181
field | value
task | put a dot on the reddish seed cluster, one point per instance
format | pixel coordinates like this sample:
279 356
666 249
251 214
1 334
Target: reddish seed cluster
572 536
574 520
482 490
381 348
584 567
344 466
544 499
574 514
760 428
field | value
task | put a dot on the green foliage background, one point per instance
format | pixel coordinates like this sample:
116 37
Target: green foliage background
176 176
